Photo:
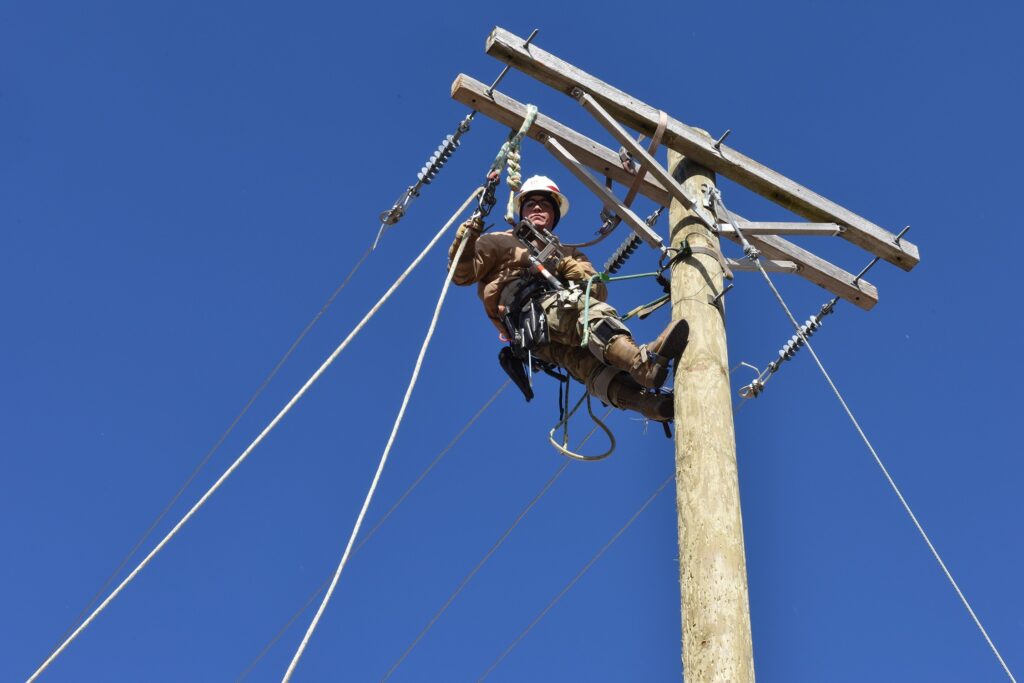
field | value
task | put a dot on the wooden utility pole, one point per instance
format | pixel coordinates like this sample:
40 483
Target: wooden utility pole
712 565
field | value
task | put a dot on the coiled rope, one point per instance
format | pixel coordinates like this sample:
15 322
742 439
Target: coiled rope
245 454
383 460
508 156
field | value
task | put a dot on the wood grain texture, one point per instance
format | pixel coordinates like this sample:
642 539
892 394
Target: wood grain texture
635 223
717 643
564 77
511 112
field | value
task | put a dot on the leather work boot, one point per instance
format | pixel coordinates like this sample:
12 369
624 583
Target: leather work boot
648 364
624 393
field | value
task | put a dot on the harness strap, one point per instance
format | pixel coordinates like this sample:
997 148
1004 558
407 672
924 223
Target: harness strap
601 380
689 250
610 221
651 149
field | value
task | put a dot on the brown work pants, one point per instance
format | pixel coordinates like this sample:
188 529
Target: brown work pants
565 313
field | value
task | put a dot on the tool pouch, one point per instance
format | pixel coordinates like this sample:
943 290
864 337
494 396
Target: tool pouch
515 368
531 330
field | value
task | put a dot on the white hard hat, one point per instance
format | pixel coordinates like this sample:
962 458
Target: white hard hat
540 183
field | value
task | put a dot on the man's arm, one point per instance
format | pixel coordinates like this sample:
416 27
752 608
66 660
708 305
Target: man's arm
577 267
470 267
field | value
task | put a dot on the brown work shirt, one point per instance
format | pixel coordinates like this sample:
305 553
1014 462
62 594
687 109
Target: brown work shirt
497 259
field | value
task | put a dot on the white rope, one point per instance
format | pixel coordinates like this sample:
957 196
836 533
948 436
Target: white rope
383 461
493 549
878 460
245 454
216 446
380 522
473 572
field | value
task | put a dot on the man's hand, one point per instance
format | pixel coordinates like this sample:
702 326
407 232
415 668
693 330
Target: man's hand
570 268
474 226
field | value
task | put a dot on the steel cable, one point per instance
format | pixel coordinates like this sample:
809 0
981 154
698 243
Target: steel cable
216 446
755 257
383 459
376 527
497 544
575 579
245 454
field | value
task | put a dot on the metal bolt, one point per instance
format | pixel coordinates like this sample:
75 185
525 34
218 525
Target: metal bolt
718 143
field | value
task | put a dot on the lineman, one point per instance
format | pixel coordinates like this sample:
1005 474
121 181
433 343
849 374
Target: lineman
612 366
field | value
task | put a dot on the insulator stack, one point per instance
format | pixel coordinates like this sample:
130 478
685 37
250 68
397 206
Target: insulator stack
438 159
622 254
797 341
426 174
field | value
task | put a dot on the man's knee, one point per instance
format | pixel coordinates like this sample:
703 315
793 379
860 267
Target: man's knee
577 361
603 332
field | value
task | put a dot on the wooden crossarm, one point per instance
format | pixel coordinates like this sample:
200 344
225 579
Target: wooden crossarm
695 144
510 112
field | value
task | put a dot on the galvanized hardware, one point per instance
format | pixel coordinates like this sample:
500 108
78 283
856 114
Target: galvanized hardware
789 349
637 224
492 86
653 218
434 164
797 341
622 254
530 236
718 297
487 198
427 174
719 141
686 250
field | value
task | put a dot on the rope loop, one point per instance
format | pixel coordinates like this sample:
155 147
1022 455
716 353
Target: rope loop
509 156
563 447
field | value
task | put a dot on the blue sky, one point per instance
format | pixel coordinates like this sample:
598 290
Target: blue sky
182 185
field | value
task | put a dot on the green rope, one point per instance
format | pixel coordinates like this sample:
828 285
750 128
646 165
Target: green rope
603 277
509 155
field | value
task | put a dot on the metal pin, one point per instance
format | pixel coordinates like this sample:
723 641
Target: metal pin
718 143
492 86
714 302
901 234
745 364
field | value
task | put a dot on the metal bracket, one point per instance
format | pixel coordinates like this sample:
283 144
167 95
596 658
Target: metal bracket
637 224
636 150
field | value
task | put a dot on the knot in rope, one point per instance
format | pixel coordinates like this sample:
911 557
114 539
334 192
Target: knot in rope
509 156
515 172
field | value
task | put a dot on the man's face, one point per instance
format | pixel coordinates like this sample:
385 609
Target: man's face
539 209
